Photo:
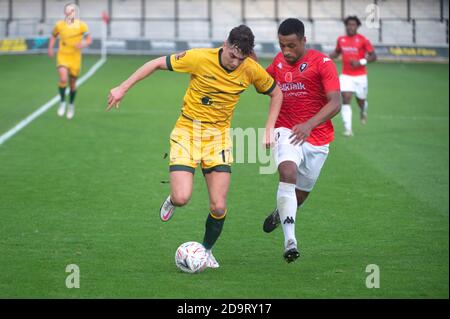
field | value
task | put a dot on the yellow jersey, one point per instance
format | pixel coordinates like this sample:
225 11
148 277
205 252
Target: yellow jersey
69 36
213 90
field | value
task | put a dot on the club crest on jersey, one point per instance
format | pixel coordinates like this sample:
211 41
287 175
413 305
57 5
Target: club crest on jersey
288 77
303 66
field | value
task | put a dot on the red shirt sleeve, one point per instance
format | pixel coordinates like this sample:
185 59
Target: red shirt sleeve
329 75
368 46
338 46
271 69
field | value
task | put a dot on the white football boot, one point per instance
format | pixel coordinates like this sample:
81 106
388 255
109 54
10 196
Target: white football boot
167 210
62 109
70 111
212 262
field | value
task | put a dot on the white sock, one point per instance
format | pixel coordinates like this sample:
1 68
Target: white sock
346 113
287 208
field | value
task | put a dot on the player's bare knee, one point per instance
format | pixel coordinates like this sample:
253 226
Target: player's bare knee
218 207
288 177
179 199
288 172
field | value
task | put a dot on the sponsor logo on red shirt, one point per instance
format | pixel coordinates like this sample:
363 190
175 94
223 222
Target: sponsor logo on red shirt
304 86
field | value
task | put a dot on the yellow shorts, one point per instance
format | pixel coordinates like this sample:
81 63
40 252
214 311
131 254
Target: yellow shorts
70 61
192 143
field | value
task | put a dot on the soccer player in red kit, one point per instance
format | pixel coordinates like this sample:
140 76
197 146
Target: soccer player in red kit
311 97
356 52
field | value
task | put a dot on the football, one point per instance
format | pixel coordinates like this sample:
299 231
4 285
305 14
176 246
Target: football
191 257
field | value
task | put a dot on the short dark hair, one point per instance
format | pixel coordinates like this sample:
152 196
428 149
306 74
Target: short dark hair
292 26
242 37
354 18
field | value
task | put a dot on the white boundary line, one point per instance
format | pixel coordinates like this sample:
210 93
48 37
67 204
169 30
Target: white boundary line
42 109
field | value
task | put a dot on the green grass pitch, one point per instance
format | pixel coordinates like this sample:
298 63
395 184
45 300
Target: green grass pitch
88 192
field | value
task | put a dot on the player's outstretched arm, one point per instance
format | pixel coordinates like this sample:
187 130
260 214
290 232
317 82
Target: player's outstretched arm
51 44
302 131
117 93
276 99
334 55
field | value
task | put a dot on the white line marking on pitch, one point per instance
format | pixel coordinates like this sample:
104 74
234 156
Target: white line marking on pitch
6 136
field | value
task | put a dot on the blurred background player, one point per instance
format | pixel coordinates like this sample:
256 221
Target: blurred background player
73 36
311 98
201 133
356 52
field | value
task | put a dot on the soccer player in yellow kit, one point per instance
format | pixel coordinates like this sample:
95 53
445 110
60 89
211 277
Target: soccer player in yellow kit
73 36
218 77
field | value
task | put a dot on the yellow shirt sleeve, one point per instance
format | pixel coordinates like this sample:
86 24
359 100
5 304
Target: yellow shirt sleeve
84 28
262 80
56 29
183 62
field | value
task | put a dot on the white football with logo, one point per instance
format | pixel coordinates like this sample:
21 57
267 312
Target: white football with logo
191 257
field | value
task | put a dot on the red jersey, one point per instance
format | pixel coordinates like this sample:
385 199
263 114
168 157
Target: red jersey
353 48
304 86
